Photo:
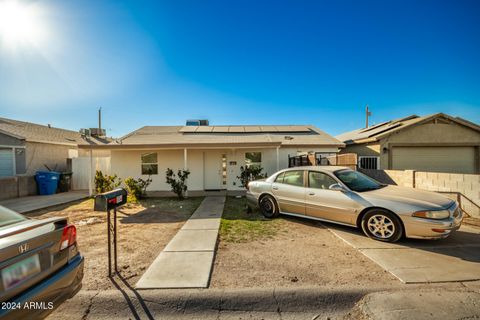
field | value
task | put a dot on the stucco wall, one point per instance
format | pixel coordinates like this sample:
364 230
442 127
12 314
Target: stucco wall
363 149
40 154
6 140
429 133
128 164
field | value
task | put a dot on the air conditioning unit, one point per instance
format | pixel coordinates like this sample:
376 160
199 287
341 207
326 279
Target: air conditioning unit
197 122
96 132
85 132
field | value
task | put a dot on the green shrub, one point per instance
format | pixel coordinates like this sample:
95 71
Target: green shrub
104 183
250 173
179 187
137 189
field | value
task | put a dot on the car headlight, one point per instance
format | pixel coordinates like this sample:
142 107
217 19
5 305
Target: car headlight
434 214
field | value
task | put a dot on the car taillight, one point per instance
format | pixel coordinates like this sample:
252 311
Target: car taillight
69 236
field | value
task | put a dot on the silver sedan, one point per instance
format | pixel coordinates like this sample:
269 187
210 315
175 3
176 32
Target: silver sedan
344 196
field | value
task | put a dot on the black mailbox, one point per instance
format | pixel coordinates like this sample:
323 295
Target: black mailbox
110 200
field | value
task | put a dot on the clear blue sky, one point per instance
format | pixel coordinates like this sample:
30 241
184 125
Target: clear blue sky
243 62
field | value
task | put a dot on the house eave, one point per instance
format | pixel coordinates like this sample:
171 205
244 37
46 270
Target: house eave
202 146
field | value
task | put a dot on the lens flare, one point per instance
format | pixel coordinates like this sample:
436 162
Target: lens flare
20 23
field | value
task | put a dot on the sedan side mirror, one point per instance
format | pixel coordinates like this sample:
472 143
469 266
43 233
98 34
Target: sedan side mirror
337 187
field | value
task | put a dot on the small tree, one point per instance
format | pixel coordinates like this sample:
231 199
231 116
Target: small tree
179 187
250 173
137 189
104 182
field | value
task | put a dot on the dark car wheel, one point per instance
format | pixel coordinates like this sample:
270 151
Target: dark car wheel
268 207
382 225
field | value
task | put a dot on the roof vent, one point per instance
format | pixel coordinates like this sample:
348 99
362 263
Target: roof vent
197 122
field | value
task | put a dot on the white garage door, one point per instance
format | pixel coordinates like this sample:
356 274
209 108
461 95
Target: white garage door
6 163
434 159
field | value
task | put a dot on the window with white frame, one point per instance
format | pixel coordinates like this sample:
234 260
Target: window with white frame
369 162
149 163
253 159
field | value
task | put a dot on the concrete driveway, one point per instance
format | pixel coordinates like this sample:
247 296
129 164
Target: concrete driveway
456 258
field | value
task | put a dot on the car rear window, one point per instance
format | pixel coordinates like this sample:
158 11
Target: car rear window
8 216
294 178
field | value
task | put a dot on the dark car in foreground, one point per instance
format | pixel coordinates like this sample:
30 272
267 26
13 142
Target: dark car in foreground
40 265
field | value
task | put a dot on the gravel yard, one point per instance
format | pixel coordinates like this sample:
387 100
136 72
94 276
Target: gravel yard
144 229
284 252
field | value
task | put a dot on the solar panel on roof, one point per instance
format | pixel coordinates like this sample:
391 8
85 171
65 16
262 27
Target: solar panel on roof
374 126
188 129
236 129
252 129
204 129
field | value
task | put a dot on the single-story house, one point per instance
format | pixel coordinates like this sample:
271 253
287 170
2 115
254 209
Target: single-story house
435 143
26 148
213 154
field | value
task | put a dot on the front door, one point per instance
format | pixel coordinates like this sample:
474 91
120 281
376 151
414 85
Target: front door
213 170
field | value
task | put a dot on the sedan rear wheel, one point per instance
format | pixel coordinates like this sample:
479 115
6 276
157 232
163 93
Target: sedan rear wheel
382 225
268 206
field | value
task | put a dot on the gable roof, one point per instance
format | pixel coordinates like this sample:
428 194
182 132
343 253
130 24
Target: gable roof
33 132
204 136
381 130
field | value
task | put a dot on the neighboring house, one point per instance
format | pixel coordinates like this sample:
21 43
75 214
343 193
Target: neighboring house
435 143
26 148
213 154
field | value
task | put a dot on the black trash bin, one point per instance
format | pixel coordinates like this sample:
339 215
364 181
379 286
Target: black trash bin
65 182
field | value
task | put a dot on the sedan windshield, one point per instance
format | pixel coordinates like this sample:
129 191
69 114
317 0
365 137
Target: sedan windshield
8 216
357 181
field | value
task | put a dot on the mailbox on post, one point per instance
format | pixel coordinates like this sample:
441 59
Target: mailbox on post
106 202
110 200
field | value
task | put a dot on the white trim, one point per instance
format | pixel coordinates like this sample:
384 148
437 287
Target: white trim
10 146
14 162
185 166
90 173
278 158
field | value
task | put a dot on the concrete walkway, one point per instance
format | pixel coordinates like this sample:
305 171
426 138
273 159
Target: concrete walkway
32 203
186 262
456 258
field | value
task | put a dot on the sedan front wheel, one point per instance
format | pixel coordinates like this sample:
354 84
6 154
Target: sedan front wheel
268 206
380 224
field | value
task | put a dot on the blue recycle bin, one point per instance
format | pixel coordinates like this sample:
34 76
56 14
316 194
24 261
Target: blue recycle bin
47 182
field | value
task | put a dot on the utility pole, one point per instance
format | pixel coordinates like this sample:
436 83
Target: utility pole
367 114
100 118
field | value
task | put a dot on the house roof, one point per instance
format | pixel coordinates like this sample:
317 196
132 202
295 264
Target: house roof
204 136
32 132
381 130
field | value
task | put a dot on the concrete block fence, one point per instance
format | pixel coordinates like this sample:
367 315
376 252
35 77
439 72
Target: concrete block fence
466 187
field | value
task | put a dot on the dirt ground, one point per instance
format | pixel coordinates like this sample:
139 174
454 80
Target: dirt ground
144 229
301 253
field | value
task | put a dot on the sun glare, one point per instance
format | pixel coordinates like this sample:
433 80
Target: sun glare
19 23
